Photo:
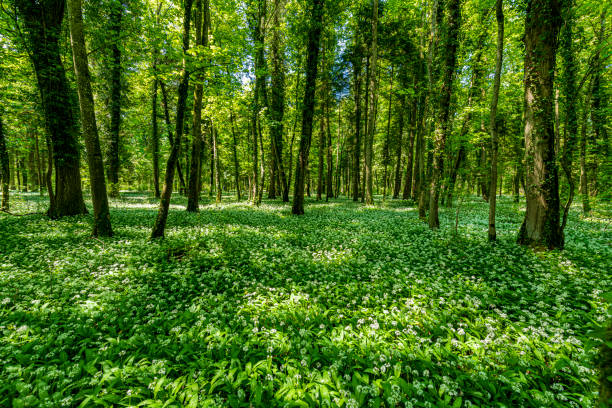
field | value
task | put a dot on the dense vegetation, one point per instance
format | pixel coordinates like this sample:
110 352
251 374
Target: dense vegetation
305 203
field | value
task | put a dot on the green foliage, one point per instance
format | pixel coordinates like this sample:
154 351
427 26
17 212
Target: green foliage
347 307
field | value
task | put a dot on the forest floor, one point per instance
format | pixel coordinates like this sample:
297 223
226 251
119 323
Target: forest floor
346 306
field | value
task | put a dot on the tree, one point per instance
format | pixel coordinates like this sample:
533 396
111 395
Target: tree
101 223
43 24
201 25
162 213
372 95
499 15
442 120
5 175
312 60
116 13
541 227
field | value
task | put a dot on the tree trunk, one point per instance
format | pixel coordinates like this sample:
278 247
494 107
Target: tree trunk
162 214
321 151
102 223
193 193
277 103
215 152
372 95
397 186
357 136
5 173
584 181
314 36
115 97
235 153
541 227
43 23
387 138
155 137
499 15
442 122
570 93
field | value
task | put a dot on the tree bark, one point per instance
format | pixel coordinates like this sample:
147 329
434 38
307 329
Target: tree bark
215 152
115 97
541 227
162 214
179 170
201 29
357 136
372 95
442 123
235 153
312 60
101 223
499 15
43 23
5 173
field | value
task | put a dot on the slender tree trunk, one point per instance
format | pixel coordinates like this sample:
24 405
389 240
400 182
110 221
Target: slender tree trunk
155 136
43 23
115 97
235 153
40 178
584 181
387 138
193 193
499 15
215 152
541 227
411 138
329 193
570 91
277 103
397 186
357 137
314 36
442 123
102 223
5 173
321 151
162 214
372 95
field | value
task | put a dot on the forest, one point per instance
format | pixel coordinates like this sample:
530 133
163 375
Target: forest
305 203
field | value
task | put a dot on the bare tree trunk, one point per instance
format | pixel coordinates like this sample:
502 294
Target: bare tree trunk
314 36
43 23
5 173
115 97
164 205
235 153
201 39
372 95
442 123
387 138
169 130
101 224
584 181
215 152
499 15
541 227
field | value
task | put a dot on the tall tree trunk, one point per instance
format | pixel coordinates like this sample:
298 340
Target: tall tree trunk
162 214
312 60
399 139
5 173
215 151
277 103
387 138
115 97
372 95
193 193
541 227
235 153
102 223
584 181
155 136
357 136
43 23
329 193
39 176
499 15
411 138
321 151
599 112
570 101
442 123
